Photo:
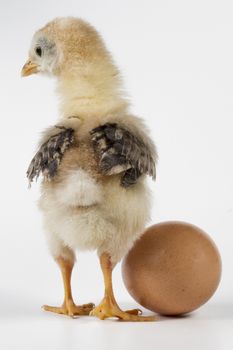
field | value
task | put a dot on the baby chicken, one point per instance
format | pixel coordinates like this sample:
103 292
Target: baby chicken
94 161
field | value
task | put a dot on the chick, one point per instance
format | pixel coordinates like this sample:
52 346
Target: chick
94 161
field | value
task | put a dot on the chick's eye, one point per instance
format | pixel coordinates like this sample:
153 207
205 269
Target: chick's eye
38 51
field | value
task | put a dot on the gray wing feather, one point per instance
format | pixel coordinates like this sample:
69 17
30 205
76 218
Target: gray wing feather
49 155
119 150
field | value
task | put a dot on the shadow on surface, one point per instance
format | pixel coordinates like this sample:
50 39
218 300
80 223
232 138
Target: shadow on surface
209 311
14 306
218 311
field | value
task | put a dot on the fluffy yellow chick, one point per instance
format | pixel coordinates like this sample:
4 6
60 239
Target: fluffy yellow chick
94 161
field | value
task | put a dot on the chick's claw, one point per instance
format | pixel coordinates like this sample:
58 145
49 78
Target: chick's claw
109 308
134 312
70 309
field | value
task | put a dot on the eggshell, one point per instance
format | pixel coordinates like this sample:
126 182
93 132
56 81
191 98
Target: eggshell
172 269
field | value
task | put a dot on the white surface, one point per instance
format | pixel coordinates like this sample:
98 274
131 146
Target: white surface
29 328
177 61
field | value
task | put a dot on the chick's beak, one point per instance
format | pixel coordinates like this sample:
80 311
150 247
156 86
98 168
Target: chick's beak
29 68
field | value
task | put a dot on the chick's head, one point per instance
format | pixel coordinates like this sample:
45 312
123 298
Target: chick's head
66 46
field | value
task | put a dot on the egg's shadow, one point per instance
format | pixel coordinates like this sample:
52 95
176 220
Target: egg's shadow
211 311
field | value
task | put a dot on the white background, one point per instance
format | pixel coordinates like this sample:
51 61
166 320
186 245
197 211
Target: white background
177 61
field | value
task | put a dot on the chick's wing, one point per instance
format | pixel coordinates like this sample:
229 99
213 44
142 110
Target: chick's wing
121 151
49 155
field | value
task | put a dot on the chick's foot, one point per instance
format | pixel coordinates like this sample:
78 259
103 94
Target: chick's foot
70 309
109 308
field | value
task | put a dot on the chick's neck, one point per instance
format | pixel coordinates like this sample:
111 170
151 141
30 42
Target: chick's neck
89 95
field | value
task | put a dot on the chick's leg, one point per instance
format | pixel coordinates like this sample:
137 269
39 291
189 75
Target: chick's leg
68 307
108 306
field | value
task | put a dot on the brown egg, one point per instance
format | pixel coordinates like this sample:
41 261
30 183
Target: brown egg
172 269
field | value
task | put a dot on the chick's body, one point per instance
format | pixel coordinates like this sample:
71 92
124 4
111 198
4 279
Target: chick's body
94 161
83 209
